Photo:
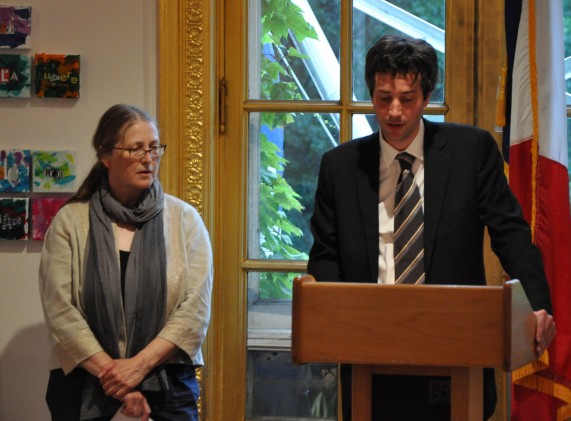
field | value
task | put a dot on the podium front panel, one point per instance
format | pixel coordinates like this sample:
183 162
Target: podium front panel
398 324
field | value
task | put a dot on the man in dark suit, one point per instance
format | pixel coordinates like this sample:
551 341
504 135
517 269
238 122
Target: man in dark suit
458 171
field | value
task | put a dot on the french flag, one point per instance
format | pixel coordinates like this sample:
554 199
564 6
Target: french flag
535 147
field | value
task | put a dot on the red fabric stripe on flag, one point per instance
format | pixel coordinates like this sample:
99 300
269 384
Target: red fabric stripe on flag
520 175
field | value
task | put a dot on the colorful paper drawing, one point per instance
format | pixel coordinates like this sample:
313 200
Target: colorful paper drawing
43 211
53 171
14 215
15 170
15 76
57 76
15 26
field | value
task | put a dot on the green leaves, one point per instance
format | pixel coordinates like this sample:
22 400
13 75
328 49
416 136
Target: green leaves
276 198
282 24
281 16
282 21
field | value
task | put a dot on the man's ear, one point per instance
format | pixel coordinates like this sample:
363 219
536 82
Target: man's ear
427 99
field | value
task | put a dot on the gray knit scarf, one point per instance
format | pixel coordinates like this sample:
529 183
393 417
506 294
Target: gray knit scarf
145 285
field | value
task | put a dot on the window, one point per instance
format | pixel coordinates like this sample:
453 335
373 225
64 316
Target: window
305 94
290 79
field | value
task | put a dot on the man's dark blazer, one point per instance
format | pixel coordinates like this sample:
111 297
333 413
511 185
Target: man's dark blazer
465 190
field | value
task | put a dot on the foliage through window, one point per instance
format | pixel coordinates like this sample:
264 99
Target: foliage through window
290 144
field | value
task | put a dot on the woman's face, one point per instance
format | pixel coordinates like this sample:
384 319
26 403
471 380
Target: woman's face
130 176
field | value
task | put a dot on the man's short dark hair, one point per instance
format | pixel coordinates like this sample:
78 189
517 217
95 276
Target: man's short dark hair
400 56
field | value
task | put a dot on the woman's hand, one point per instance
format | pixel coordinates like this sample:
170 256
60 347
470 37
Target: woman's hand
135 405
119 377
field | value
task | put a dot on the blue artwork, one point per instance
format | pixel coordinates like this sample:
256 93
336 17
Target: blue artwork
15 170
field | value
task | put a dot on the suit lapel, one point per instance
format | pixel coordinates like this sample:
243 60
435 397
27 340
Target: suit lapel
436 173
367 184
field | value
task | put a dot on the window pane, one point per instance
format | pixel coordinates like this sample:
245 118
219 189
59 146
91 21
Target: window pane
284 152
269 310
374 18
365 124
567 32
278 390
294 50
569 153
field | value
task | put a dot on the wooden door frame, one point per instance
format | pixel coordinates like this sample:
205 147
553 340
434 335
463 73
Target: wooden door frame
191 62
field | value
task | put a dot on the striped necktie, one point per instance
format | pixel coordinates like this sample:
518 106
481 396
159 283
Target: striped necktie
409 226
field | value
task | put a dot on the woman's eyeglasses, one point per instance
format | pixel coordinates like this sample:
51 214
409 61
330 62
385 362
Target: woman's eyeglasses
142 152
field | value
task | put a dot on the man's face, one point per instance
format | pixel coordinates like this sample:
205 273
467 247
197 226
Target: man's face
398 103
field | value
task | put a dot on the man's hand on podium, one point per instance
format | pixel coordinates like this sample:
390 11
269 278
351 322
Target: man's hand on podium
545 331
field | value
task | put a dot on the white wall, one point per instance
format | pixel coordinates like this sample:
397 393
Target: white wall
117 44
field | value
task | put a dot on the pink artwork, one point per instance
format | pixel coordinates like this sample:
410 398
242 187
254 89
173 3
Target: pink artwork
43 211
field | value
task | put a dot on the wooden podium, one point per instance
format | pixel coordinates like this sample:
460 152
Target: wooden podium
440 330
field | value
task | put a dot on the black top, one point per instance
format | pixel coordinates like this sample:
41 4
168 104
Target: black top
124 258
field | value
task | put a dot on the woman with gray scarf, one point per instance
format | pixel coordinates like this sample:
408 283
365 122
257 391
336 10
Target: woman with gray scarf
125 283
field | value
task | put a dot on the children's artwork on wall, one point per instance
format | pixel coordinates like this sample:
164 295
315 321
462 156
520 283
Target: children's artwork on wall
15 170
15 26
14 215
15 76
56 76
54 171
43 211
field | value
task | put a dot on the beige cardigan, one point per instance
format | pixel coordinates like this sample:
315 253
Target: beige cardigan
189 284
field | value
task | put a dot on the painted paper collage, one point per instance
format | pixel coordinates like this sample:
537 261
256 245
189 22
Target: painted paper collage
15 69
15 76
14 170
43 211
53 171
14 215
56 76
15 26
26 179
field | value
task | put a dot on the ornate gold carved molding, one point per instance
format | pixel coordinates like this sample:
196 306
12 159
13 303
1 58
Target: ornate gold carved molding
184 105
194 106
194 103
183 97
